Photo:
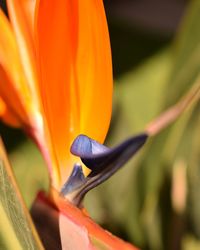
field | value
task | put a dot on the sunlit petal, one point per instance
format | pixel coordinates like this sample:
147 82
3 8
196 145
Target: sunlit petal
29 10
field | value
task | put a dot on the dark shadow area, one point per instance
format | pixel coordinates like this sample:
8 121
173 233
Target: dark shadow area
3 6
11 136
132 45
139 28
46 220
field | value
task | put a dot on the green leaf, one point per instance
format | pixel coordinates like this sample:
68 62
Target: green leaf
186 54
16 230
138 199
31 175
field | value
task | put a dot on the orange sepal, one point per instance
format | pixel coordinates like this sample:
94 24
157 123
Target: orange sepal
55 62
76 74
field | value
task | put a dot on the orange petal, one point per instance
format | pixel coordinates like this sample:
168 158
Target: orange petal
13 86
94 69
75 63
7 115
25 43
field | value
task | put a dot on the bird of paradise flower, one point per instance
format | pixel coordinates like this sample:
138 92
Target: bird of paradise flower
56 83
56 75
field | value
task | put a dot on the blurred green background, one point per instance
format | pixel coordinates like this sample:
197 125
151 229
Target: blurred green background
154 200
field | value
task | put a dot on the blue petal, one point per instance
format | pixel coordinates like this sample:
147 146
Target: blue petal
103 162
76 180
97 157
84 146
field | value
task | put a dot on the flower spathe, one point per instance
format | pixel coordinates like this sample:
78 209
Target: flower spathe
56 75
